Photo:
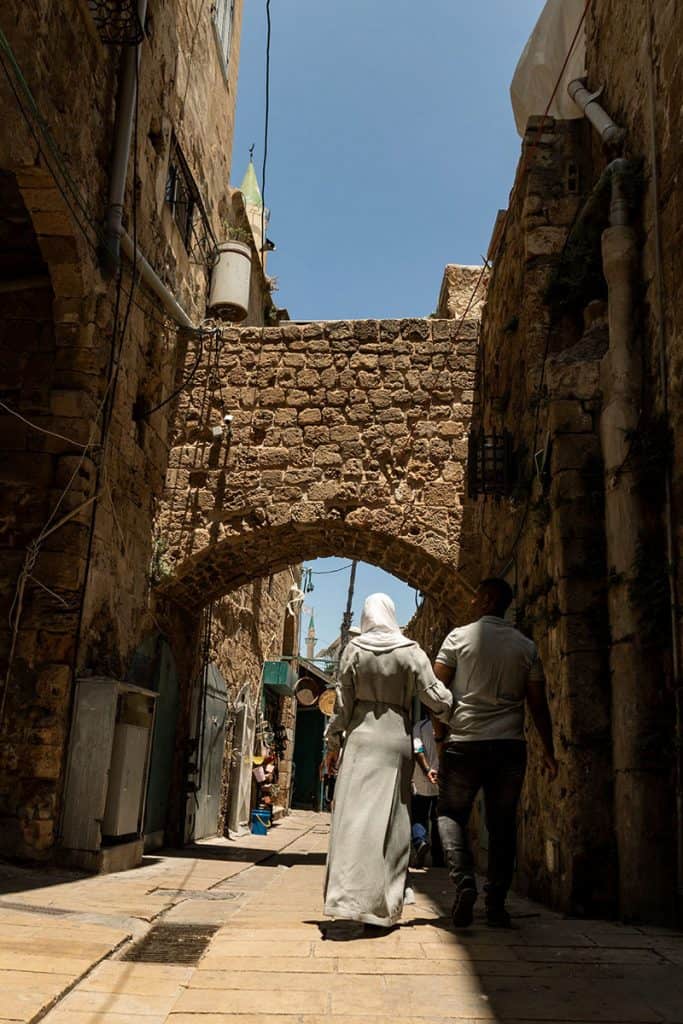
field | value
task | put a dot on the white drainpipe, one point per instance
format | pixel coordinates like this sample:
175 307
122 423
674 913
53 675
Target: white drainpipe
610 133
123 130
150 277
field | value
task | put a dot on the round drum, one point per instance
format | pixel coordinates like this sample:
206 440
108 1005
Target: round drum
307 691
326 702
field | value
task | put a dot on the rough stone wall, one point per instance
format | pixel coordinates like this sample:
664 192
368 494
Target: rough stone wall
249 628
463 292
347 438
620 56
538 378
431 624
70 328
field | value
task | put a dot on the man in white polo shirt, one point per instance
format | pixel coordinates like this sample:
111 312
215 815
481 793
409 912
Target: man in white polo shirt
493 670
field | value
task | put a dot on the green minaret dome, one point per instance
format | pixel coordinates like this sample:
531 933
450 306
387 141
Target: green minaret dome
250 187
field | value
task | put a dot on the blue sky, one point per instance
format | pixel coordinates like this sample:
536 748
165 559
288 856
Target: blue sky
328 600
392 146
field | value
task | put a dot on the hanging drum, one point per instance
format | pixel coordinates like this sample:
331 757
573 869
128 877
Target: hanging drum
327 701
308 690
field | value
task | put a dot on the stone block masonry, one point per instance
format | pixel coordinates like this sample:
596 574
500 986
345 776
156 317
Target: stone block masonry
347 438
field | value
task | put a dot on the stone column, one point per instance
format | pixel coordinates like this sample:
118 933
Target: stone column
639 796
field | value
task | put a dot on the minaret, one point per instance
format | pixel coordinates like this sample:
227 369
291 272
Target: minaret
253 202
311 640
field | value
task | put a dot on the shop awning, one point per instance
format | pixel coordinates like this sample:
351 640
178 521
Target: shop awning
279 676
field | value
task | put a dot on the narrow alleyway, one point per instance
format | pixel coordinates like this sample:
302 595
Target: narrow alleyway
228 932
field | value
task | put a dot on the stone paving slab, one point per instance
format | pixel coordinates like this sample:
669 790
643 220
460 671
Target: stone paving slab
268 961
85 919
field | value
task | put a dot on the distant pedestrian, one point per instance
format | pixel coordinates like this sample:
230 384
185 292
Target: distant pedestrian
425 833
381 672
495 669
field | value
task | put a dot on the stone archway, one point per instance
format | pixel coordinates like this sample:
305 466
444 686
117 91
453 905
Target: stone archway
49 387
346 438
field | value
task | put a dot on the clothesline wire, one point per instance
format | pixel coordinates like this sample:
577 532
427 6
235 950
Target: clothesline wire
329 572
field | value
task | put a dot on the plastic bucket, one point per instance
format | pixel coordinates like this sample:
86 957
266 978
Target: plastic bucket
260 821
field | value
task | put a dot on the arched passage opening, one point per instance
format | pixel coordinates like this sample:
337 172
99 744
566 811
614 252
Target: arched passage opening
234 562
46 418
253 571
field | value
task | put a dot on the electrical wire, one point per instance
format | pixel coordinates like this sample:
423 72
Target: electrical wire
41 430
329 572
100 422
183 385
7 51
44 139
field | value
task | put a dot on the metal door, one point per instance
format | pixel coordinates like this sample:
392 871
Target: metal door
154 666
211 754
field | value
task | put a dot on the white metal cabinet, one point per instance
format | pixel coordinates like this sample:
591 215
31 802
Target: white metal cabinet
108 764
127 777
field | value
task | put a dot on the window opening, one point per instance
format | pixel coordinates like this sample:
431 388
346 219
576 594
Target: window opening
490 463
223 16
189 214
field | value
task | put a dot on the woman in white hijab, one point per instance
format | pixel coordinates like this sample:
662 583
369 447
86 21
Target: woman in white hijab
381 671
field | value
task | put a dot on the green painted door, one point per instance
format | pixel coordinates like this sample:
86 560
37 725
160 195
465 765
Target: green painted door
308 755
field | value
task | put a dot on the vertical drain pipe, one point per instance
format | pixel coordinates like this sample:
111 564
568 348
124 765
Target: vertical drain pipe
668 485
123 130
635 788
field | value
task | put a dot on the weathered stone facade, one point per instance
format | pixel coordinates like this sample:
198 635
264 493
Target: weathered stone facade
346 438
600 616
82 598
250 626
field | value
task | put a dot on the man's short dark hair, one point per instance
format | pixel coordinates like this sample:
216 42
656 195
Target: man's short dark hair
500 590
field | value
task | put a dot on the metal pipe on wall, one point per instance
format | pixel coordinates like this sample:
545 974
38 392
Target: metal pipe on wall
610 132
636 791
150 277
123 131
671 552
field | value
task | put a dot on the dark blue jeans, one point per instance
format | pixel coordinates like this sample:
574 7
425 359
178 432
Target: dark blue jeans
424 826
497 767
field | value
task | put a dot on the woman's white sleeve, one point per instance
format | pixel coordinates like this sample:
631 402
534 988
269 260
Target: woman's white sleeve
431 690
343 705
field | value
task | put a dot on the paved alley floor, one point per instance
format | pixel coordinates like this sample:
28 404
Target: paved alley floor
228 933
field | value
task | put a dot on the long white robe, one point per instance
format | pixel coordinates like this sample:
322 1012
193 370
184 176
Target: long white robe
370 835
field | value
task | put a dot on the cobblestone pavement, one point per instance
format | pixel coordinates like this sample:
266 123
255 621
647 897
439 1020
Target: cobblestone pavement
257 905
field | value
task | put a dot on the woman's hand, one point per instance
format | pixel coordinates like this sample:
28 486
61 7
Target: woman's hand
331 759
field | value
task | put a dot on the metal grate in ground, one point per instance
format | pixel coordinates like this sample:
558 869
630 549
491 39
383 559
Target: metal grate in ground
172 944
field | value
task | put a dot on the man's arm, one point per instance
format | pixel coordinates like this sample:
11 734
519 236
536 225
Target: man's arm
424 764
444 673
540 712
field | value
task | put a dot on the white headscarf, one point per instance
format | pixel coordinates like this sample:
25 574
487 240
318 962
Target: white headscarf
379 628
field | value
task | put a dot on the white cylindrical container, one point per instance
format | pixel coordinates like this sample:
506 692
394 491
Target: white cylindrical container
230 279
